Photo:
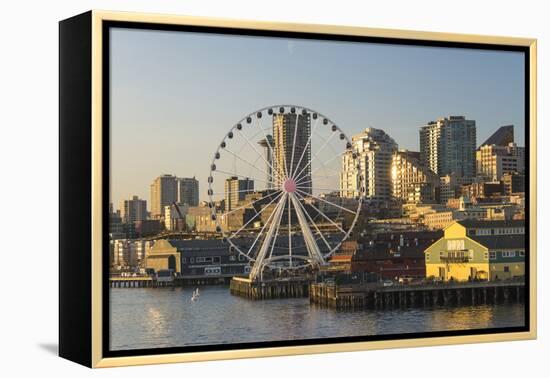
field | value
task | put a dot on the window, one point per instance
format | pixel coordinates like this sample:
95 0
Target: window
183 260
455 245
241 258
232 258
509 254
485 256
192 260
506 269
522 253
427 256
492 255
216 259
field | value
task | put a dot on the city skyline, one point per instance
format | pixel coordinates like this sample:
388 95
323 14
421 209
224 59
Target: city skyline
162 100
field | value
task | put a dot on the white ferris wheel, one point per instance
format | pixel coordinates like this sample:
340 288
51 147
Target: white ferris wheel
274 189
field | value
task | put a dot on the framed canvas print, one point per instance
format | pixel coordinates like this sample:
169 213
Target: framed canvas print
235 189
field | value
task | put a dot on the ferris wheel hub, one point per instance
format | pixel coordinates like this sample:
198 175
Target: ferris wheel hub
289 185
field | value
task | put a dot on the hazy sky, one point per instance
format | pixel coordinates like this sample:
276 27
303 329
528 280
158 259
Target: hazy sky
174 95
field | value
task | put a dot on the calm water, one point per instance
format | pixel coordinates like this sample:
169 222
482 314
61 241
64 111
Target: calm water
166 317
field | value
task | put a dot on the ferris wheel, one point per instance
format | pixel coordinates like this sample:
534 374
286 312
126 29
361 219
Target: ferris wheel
274 189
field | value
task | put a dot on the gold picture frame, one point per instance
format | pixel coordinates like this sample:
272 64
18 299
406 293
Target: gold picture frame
87 32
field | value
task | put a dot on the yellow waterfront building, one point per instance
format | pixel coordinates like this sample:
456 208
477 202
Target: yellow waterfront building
475 249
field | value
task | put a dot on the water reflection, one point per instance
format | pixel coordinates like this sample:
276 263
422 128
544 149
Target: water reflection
152 318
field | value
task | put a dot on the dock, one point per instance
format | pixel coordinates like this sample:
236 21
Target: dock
270 289
116 281
376 296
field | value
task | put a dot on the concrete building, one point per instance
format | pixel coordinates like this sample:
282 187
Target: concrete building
236 190
372 169
412 182
513 183
129 253
450 186
448 146
482 189
164 192
502 137
485 250
494 161
187 191
286 144
132 210
148 227
174 216
268 146
193 259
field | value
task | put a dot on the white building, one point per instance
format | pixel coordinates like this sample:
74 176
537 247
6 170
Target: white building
372 169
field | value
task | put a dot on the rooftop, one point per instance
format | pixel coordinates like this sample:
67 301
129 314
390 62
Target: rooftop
473 223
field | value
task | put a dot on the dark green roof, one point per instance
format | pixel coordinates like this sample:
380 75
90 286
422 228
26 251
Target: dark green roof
501 241
473 223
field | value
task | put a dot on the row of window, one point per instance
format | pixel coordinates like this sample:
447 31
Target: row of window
506 254
470 254
211 259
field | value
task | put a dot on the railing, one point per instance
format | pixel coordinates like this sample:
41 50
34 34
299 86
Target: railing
423 285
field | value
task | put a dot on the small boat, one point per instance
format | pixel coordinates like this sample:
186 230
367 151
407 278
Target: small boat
195 295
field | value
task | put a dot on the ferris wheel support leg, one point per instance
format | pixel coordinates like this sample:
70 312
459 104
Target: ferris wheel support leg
258 267
311 244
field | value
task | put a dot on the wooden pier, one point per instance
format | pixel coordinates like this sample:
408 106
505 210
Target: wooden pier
272 289
376 296
150 281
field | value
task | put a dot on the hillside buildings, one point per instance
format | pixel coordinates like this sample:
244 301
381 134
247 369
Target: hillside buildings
448 146
167 189
412 182
132 210
291 133
371 172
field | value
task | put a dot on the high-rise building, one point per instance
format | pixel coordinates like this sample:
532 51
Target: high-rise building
494 161
448 146
268 145
188 191
372 168
412 182
236 190
134 209
502 137
291 134
164 192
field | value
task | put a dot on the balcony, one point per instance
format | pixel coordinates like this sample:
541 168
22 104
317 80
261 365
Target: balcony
454 259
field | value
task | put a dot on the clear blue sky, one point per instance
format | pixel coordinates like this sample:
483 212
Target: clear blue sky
174 95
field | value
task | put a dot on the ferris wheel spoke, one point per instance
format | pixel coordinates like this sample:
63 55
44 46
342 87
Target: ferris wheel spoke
255 215
250 203
323 165
276 232
289 232
298 177
263 228
307 146
309 239
324 216
231 174
314 225
277 172
328 202
248 163
256 150
327 189
294 145
259 262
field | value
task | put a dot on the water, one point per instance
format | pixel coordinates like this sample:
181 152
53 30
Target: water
166 317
